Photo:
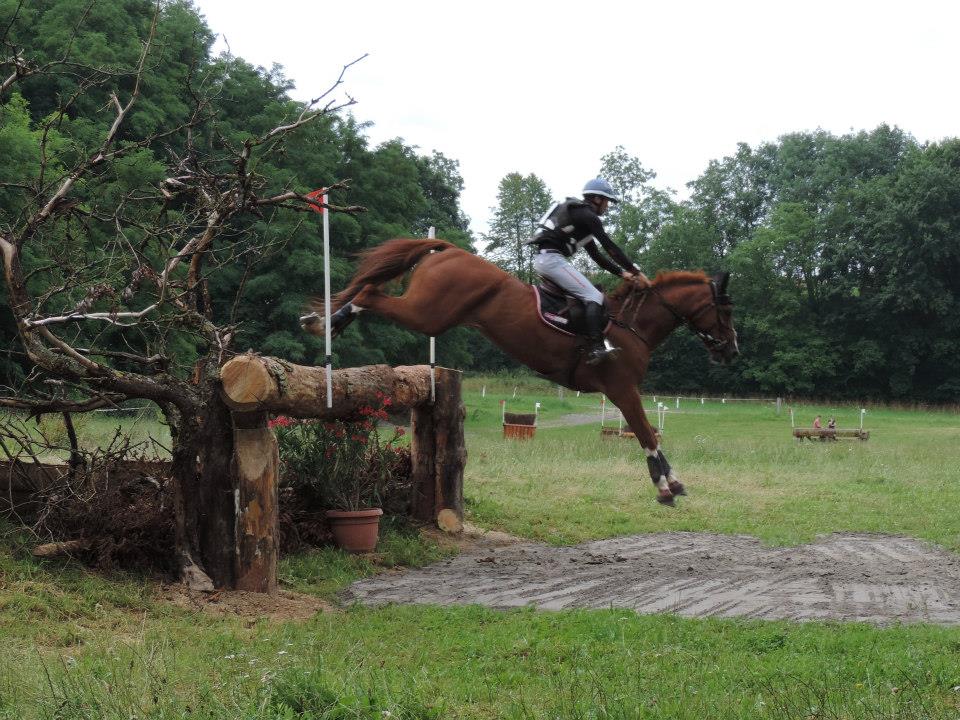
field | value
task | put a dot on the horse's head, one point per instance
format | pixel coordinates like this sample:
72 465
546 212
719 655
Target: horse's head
694 300
713 321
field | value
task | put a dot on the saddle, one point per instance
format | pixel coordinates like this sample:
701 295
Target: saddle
559 310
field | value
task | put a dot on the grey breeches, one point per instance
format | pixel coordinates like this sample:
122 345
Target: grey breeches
555 267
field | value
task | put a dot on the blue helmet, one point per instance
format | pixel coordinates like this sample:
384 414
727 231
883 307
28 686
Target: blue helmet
599 186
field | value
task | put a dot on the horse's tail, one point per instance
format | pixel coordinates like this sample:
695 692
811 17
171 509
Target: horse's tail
386 262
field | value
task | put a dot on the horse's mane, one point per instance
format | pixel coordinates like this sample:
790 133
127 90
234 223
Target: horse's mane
664 278
680 276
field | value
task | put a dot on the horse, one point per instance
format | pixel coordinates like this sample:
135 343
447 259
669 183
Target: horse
450 287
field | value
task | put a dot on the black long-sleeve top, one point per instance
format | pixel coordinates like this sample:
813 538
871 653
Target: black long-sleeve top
574 224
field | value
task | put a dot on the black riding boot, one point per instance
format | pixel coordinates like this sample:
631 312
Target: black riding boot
596 322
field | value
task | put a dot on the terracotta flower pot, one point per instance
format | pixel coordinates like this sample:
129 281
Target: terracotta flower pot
355 531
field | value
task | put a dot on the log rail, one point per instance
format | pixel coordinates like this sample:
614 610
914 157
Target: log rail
830 434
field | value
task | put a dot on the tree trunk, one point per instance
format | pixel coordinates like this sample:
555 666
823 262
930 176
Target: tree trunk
204 502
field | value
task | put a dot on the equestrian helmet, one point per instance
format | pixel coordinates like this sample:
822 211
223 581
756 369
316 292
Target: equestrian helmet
599 186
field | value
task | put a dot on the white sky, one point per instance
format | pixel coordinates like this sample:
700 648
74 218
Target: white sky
550 87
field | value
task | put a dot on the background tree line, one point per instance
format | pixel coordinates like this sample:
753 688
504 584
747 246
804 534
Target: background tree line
845 250
845 254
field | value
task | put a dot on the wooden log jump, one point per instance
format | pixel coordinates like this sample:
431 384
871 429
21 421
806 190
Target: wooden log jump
825 434
255 387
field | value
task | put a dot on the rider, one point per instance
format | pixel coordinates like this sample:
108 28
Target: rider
565 228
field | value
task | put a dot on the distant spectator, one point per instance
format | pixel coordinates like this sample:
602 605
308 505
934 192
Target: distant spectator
816 423
831 424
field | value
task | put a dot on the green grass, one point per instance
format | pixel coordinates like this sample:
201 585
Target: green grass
744 471
74 644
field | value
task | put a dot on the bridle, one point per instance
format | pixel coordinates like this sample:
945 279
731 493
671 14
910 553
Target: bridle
716 301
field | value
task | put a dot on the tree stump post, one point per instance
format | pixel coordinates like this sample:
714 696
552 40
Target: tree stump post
438 452
255 466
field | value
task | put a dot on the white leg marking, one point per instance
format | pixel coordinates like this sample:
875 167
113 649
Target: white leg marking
662 483
356 309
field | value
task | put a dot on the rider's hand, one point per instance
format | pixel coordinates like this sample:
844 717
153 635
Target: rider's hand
639 278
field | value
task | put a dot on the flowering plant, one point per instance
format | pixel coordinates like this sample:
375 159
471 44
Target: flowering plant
343 465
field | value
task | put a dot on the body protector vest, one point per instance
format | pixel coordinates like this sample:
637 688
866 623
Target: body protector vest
555 229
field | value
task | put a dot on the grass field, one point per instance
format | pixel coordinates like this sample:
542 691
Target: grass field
77 645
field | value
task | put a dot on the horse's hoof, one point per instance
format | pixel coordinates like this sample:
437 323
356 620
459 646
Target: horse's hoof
666 500
677 488
312 323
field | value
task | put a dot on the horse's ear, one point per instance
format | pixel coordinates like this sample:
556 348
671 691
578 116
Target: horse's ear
721 280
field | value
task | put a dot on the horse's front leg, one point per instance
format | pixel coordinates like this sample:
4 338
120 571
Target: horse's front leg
668 486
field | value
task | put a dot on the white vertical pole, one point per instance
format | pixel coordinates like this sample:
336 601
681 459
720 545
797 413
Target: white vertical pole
328 360
603 409
862 413
536 412
678 403
515 392
431 234
791 418
483 393
503 411
701 401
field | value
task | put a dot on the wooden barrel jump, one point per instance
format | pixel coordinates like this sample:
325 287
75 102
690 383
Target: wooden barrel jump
255 387
519 426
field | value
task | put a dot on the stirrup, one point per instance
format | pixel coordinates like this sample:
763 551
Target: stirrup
599 353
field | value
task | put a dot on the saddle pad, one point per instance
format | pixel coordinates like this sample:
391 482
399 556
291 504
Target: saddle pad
548 307
559 322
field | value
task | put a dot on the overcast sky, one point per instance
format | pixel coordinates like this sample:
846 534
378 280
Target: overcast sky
550 87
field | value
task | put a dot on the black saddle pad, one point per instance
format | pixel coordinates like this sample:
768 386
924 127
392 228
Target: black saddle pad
557 310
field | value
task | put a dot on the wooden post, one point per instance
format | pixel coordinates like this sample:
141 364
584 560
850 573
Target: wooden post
255 467
439 453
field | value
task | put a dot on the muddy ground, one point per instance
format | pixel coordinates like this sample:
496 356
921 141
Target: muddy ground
849 577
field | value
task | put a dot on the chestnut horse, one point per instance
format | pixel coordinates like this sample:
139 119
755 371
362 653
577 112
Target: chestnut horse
451 287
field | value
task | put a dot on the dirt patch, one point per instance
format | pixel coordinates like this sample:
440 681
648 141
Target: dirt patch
285 605
852 577
576 419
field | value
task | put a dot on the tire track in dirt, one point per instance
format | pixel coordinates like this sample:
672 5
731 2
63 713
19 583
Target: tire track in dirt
854 577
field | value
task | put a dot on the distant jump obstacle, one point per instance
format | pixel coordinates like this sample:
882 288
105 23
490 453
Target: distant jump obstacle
519 426
828 434
254 387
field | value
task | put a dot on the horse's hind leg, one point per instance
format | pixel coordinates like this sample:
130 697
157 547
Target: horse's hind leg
413 310
313 323
662 475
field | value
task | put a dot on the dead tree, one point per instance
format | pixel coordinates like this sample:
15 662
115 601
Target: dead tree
151 284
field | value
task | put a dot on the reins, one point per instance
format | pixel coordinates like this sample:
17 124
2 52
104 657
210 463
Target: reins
629 306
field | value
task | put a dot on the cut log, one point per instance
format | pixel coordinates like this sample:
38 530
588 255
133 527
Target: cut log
251 382
56 549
